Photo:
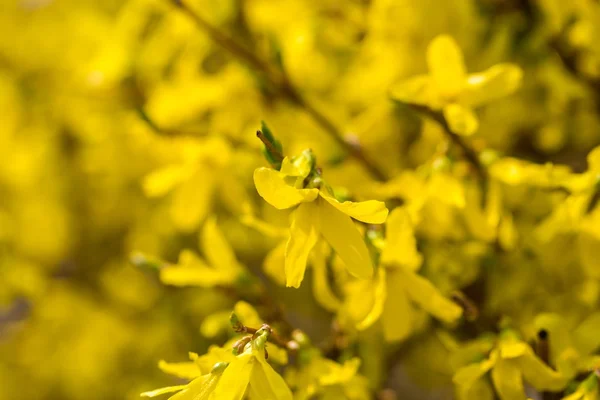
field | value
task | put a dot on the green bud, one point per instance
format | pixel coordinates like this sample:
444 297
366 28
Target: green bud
235 322
219 367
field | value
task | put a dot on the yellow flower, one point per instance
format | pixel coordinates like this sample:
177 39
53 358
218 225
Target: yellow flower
223 267
328 379
250 372
587 390
274 263
397 288
572 348
318 214
448 87
202 171
201 388
511 362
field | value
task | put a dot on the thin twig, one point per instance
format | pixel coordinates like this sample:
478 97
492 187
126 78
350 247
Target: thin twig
279 79
469 153
275 152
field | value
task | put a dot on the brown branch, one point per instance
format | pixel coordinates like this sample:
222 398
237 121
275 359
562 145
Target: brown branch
279 79
469 153
275 152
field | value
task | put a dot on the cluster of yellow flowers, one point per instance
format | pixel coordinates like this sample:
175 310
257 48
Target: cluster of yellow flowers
417 217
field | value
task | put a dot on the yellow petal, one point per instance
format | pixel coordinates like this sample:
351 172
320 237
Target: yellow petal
400 243
267 384
593 159
192 200
447 189
466 376
199 389
303 237
162 181
321 289
498 81
272 187
507 379
371 211
235 378
216 249
461 119
539 374
446 65
158 392
422 292
264 228
334 373
192 271
339 231
418 90
247 314
585 337
378 302
184 370
215 324
274 264
398 314
480 390
299 166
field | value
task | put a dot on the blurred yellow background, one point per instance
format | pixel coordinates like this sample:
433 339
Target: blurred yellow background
96 96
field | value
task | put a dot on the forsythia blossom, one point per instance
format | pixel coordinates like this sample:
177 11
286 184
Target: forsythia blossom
448 87
317 214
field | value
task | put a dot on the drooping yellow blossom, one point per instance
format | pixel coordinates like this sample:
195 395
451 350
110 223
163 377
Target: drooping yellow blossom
572 350
398 288
448 87
201 388
251 373
230 378
201 171
274 263
318 214
328 379
222 268
512 362
587 390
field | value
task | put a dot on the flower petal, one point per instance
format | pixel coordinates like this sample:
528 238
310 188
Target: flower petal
184 370
371 211
192 271
235 378
162 181
585 336
461 120
539 374
343 236
400 244
322 292
158 392
508 380
398 314
418 90
380 296
274 264
216 249
267 384
199 389
272 187
498 81
303 237
191 201
422 292
446 65
466 376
